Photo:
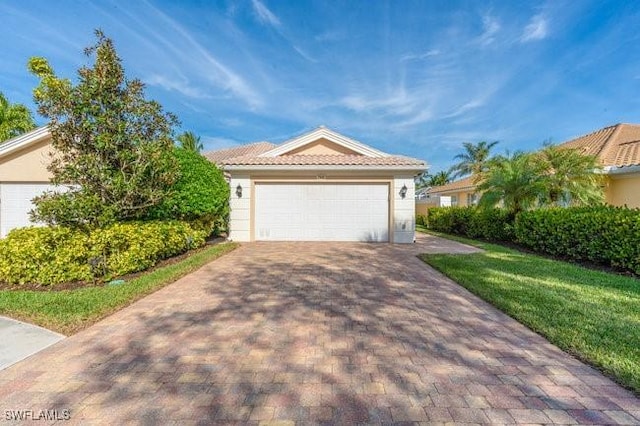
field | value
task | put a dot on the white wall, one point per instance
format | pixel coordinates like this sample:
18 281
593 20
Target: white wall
404 219
239 221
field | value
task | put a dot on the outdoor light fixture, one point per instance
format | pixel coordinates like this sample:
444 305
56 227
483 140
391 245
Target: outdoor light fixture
239 191
403 191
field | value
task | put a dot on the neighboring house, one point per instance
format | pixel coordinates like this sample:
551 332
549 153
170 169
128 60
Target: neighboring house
23 175
458 193
320 186
617 147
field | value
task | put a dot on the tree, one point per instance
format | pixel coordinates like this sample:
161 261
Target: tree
570 177
443 177
113 148
474 159
515 180
190 142
15 119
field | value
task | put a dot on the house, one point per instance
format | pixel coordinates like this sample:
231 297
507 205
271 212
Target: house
458 193
617 147
320 186
23 175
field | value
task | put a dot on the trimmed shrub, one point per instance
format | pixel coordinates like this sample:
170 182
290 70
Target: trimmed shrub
604 234
492 224
421 220
53 255
200 195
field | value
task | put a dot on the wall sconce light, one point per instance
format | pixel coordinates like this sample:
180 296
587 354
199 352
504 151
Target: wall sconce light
403 191
239 191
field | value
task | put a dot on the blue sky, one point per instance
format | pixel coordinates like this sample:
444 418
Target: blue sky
416 78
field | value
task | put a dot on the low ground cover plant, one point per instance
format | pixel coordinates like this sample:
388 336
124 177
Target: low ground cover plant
53 255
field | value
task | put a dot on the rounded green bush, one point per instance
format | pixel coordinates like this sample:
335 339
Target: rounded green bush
200 195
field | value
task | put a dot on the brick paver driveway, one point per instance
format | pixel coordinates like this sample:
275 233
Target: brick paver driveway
314 333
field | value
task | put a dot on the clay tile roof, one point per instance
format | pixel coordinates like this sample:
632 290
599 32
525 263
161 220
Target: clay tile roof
323 160
616 146
458 185
253 149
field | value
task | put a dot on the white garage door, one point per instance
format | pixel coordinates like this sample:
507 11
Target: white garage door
321 212
15 204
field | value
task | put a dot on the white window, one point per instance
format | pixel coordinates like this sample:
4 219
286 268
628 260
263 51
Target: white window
472 199
454 200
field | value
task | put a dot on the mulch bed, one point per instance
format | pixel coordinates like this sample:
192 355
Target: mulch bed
98 283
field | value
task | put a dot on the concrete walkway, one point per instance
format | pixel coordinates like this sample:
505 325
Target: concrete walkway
315 333
20 340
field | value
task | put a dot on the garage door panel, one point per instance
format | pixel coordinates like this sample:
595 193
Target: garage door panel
321 212
15 204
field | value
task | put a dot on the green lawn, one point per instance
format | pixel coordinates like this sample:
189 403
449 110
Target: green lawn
592 314
70 311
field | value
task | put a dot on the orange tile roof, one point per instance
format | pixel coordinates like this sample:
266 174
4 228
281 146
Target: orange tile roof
455 186
253 149
321 160
617 145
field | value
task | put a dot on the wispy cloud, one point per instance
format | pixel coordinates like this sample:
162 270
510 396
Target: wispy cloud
185 49
264 14
181 86
536 29
420 56
490 28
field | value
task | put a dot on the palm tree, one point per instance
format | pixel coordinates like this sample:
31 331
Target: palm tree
473 161
15 119
190 142
570 177
515 180
443 177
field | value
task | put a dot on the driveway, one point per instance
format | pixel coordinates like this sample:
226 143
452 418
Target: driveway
314 333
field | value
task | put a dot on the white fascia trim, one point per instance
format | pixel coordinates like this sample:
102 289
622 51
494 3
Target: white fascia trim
23 140
614 170
323 132
322 168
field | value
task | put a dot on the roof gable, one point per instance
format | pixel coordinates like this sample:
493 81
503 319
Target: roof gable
24 140
614 146
336 142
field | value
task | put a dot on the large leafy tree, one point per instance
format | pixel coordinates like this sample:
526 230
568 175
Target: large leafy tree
474 160
516 181
15 119
570 177
113 148
190 141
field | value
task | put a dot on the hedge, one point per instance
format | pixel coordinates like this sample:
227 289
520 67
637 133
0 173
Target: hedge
53 255
490 224
604 234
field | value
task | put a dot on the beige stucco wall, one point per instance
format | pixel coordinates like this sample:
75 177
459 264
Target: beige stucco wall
27 165
623 190
322 147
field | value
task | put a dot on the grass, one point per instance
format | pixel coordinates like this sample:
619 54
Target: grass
69 311
591 314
